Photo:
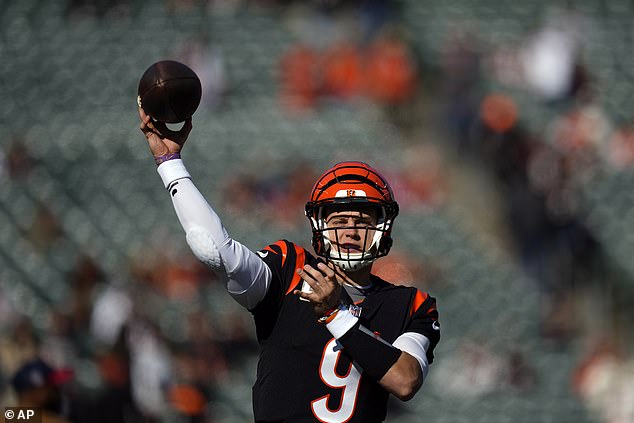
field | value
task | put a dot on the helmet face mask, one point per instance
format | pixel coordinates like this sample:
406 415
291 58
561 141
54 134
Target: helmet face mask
363 207
351 236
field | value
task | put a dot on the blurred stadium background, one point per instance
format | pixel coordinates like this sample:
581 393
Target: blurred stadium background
506 128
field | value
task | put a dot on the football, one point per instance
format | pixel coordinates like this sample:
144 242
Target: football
169 91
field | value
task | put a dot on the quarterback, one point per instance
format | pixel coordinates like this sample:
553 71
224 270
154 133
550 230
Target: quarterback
335 340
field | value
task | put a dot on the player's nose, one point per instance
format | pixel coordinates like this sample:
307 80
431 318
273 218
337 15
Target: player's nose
352 232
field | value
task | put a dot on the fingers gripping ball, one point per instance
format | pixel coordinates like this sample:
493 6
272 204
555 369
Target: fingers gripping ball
169 91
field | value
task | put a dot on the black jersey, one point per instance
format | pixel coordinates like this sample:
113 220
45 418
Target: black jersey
303 374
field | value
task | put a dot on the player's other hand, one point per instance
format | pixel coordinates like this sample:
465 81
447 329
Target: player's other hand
326 287
160 138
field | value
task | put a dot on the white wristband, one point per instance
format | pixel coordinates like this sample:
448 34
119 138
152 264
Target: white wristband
342 323
172 170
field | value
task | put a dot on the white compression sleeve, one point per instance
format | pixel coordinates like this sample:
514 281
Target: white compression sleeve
248 277
416 345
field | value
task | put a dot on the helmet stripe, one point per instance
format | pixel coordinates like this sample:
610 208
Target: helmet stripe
351 177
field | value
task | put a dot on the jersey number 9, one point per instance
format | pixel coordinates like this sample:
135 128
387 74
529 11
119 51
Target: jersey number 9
348 382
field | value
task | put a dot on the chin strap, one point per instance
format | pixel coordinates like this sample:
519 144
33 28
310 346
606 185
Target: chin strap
351 265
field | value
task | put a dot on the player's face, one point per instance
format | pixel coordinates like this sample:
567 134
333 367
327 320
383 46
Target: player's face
351 231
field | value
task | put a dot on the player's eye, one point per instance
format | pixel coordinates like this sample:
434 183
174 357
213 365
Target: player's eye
339 221
365 222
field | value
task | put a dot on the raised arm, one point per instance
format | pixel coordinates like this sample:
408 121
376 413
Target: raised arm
247 277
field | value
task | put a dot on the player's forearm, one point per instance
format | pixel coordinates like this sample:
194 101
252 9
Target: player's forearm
404 378
247 276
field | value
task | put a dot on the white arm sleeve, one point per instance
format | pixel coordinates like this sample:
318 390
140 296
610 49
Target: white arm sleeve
416 345
247 276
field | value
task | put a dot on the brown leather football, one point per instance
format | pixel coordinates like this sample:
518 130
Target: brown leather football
169 91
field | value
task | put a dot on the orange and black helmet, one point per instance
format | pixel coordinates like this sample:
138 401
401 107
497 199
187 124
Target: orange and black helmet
349 185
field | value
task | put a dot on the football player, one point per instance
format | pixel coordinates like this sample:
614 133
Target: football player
335 340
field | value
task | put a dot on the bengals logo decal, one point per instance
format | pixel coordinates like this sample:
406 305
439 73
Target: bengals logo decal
350 192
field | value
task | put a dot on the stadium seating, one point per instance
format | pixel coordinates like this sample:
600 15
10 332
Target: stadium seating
68 89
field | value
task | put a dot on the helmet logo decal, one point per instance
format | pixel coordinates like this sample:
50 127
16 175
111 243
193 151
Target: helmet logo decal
350 193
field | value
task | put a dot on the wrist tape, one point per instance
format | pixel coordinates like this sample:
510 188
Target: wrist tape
373 354
171 171
169 156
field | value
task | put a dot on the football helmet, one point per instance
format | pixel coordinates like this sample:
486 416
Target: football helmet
352 186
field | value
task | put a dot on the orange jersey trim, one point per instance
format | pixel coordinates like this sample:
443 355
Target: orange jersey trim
299 263
283 247
419 299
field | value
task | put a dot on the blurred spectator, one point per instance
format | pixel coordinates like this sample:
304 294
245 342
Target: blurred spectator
204 359
391 78
460 67
189 401
45 229
38 385
299 78
208 62
18 346
356 56
83 279
549 62
498 112
581 134
172 275
550 56
19 161
150 367
476 370
114 402
390 71
56 346
539 184
342 71
188 392
180 279
111 311
238 343
604 380
620 149
420 183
